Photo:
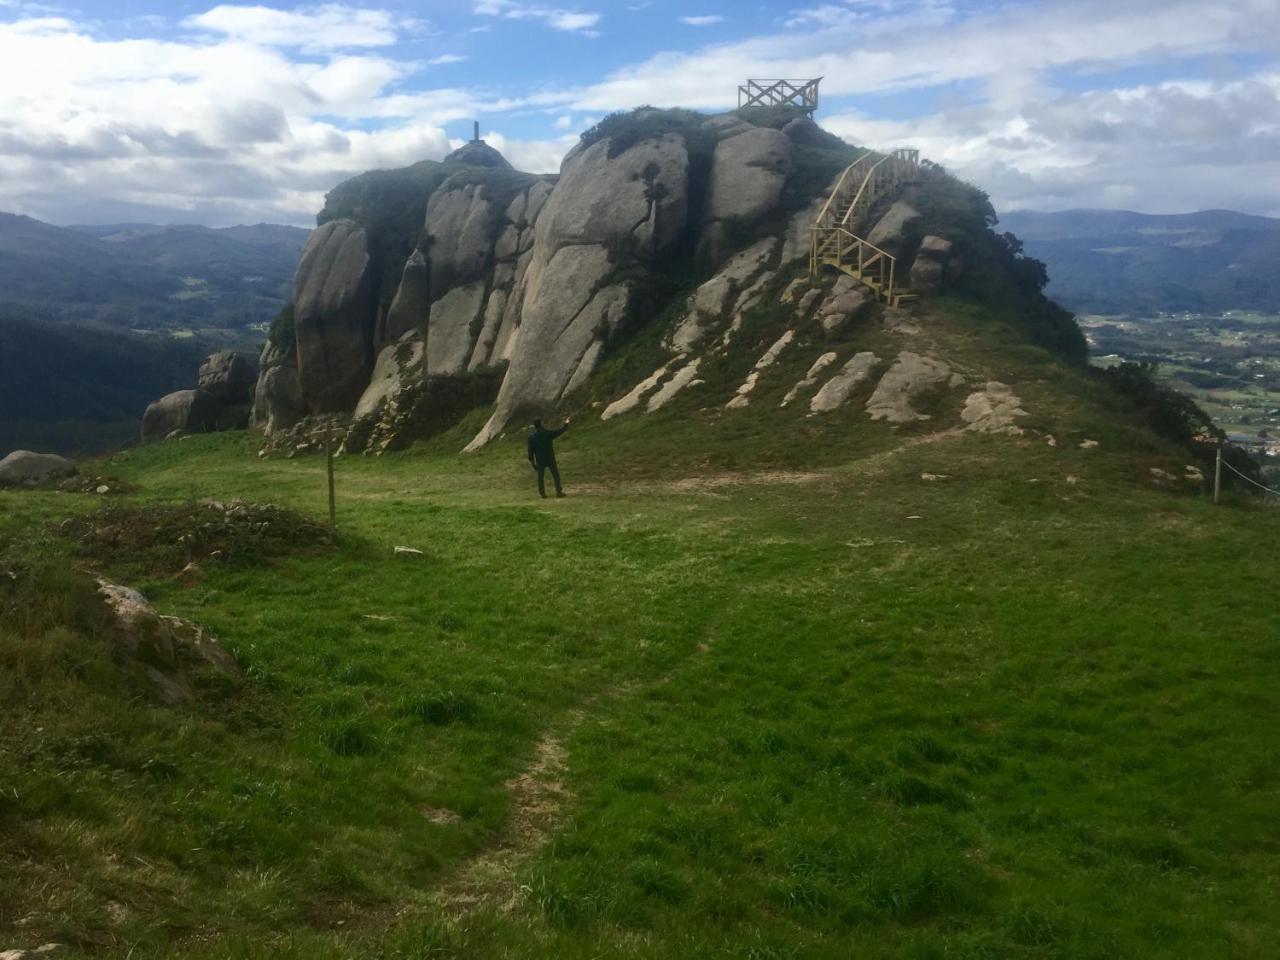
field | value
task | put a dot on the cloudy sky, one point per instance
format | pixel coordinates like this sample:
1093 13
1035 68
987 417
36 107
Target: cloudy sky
180 111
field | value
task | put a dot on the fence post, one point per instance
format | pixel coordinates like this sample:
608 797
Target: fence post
328 458
1217 475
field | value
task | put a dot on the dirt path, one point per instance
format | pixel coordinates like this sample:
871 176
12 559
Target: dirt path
539 799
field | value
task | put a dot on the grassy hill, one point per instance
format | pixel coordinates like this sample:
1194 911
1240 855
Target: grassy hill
141 276
763 685
1116 262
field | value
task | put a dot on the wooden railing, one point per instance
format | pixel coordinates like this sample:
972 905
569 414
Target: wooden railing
833 238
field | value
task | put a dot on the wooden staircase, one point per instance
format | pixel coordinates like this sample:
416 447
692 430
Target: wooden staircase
834 242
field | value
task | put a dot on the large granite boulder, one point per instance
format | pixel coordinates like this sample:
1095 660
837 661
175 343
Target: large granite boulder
226 376
748 172
930 266
890 231
412 303
277 399
333 316
910 376
183 411
25 467
460 229
604 210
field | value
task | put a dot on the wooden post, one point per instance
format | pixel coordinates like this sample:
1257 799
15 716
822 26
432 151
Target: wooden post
1217 475
328 461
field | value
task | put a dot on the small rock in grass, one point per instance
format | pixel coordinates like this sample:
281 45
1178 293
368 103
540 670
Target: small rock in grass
47 950
409 553
915 517
933 476
1072 480
1088 444
1051 440
102 489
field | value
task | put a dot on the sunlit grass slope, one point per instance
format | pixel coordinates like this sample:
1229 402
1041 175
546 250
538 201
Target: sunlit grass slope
755 689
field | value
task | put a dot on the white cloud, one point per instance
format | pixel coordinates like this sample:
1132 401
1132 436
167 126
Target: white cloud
703 21
564 122
447 58
331 26
570 21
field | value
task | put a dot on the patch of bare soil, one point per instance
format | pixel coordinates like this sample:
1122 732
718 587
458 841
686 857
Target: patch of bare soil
538 801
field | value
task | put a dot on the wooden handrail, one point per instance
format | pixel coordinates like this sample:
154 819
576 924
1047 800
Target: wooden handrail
822 216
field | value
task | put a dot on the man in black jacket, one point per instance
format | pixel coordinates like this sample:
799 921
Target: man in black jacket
542 455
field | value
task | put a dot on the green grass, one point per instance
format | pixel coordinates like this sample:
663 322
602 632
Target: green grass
727 699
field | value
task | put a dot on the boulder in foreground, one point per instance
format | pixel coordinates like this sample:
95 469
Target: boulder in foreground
23 466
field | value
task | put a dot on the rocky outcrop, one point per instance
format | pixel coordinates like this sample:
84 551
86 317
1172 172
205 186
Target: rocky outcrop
633 206
277 398
993 409
890 231
226 376
223 400
331 306
25 467
748 172
847 299
833 394
397 362
165 651
929 268
810 378
183 411
910 376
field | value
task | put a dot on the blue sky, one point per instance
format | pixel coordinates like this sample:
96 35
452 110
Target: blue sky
222 113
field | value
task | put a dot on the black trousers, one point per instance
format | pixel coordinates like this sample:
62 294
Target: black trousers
542 469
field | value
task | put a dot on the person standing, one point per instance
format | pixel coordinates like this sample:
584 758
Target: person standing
542 455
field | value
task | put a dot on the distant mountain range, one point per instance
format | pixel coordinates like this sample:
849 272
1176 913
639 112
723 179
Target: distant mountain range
1119 262
147 277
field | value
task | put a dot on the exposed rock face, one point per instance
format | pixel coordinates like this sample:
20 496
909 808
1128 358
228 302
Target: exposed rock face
909 377
165 650
277 398
396 363
460 232
412 303
767 360
633 205
331 293
890 231
184 411
226 376
725 295
25 467
993 409
748 173
930 265
809 378
847 299
839 388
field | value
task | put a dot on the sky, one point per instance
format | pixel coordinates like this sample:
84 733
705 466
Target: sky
194 112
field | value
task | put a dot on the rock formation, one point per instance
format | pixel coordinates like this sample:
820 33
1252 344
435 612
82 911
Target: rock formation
224 399
27 468
536 278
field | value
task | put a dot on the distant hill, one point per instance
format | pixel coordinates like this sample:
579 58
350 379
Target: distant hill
67 389
143 276
1117 261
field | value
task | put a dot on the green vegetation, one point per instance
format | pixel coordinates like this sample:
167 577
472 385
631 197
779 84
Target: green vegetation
148 277
997 273
69 389
1228 362
756 688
